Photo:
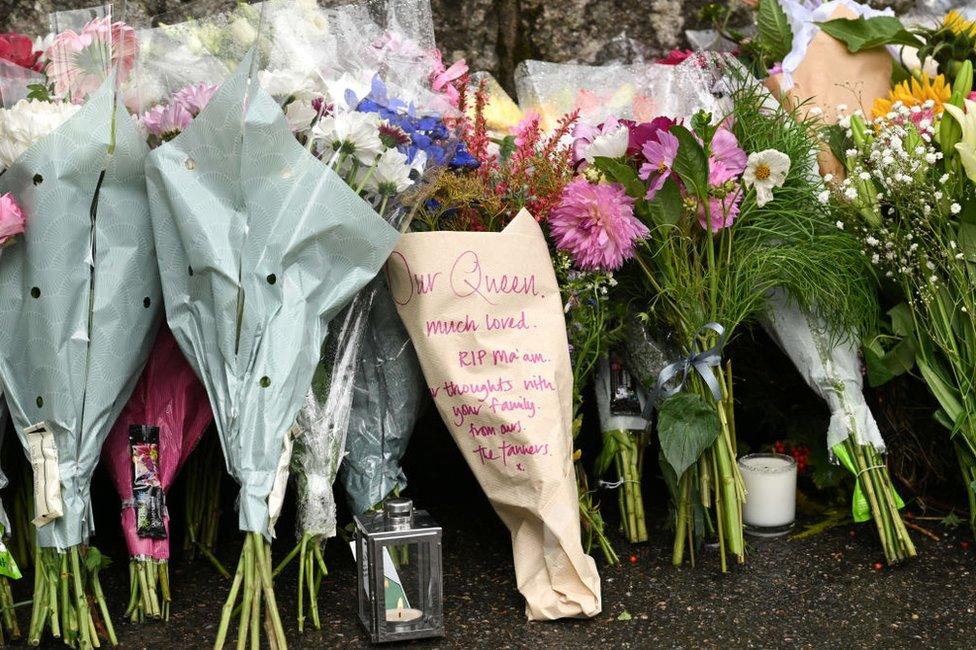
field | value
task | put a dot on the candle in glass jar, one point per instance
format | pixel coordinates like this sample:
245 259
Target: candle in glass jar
770 482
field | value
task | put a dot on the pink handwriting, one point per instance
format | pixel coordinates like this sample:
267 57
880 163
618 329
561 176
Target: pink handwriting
468 278
438 326
509 450
480 390
483 431
485 454
462 411
506 322
523 404
538 383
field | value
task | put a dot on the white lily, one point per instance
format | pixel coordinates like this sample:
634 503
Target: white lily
764 171
967 146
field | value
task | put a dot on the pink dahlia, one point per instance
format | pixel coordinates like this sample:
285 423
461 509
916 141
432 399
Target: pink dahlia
596 225
194 97
12 220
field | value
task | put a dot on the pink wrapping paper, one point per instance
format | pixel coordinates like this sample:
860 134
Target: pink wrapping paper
168 396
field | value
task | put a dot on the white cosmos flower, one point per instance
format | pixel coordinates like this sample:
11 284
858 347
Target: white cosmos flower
391 174
764 171
27 122
612 144
299 115
352 133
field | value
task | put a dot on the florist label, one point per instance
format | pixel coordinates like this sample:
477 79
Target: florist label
485 315
484 312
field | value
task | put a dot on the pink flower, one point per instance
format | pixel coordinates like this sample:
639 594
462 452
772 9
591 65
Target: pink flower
675 57
166 122
442 78
12 220
727 160
19 50
723 211
195 97
641 132
776 69
527 130
80 62
596 224
660 154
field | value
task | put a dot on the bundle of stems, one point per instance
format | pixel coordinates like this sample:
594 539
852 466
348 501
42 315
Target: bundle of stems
253 580
591 520
149 595
65 585
627 448
202 495
22 512
9 629
870 471
311 571
715 478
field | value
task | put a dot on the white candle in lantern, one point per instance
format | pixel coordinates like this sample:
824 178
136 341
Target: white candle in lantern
770 482
402 614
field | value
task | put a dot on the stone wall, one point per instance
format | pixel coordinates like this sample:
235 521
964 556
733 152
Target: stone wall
492 35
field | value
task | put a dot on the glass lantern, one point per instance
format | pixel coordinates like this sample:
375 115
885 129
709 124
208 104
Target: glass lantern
398 552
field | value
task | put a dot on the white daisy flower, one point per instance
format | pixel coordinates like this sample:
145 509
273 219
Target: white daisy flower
764 171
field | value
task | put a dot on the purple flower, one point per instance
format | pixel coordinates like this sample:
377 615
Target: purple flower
596 225
642 132
660 153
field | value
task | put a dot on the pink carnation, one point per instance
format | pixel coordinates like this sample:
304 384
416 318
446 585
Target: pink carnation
596 225
12 219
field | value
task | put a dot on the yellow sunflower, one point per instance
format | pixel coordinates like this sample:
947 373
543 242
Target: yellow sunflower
956 23
915 92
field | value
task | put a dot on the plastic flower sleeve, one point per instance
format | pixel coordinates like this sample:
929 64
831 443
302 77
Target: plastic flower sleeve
260 245
86 311
388 399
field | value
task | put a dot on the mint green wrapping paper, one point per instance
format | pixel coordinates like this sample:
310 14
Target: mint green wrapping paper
260 245
79 294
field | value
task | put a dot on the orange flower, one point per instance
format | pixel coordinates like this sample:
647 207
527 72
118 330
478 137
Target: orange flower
915 92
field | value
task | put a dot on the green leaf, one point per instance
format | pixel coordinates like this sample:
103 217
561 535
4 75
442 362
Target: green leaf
774 29
863 34
621 173
507 147
610 449
690 163
624 616
883 366
838 141
966 238
951 520
666 206
687 425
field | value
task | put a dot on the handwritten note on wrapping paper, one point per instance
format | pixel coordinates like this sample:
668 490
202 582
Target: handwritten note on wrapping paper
486 318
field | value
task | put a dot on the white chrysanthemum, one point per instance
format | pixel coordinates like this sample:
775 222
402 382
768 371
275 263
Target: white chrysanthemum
351 133
290 83
299 115
391 175
27 122
608 145
764 171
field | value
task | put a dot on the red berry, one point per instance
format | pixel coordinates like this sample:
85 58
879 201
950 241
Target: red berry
964 544
877 566
852 534
633 559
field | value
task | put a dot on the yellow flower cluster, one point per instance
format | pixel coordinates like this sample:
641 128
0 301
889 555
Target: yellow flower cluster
956 23
915 92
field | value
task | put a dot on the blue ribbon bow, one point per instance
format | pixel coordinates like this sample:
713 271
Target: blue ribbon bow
701 362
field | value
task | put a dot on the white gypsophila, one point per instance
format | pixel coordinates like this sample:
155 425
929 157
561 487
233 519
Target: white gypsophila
764 171
351 133
390 175
612 144
28 121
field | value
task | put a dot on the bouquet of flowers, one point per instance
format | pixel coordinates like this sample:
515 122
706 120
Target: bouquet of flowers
730 212
79 323
909 195
250 302
156 432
